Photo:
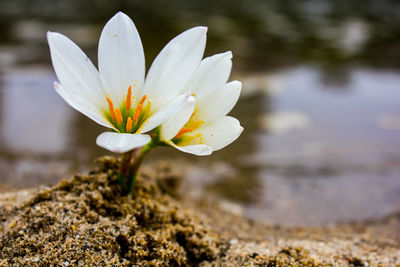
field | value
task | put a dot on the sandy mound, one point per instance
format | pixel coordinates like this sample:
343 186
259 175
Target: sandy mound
86 221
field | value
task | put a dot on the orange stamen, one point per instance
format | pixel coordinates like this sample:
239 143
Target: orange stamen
139 109
111 108
143 99
129 98
119 115
129 125
182 132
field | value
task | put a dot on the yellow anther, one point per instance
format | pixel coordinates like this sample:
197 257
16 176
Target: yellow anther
111 108
119 115
182 132
129 98
129 125
139 109
190 126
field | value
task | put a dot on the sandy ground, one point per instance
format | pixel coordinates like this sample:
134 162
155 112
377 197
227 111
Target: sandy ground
85 221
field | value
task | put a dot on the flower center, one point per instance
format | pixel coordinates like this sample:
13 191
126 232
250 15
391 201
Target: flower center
183 131
190 126
126 119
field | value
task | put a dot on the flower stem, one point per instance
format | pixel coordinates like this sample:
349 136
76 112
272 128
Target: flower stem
129 170
126 159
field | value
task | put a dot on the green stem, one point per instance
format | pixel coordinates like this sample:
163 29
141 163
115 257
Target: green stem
129 170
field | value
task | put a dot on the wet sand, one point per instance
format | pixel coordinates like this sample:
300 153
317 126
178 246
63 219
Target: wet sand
86 221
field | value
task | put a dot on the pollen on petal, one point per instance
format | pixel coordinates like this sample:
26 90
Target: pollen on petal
194 124
111 108
129 98
139 109
119 115
129 125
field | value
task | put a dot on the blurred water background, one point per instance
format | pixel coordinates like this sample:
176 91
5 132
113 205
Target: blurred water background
320 103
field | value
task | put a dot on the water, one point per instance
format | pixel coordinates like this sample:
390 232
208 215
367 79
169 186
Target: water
320 105
340 158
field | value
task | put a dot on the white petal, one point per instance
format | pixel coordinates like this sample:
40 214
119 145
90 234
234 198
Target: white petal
173 125
212 73
82 106
121 57
121 143
219 102
175 65
199 150
164 113
74 70
220 133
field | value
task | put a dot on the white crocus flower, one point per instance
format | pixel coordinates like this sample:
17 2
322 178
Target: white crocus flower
117 95
202 125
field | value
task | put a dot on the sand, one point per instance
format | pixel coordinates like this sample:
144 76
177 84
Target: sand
85 221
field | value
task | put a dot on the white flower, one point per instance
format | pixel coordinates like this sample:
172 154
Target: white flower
117 95
202 126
